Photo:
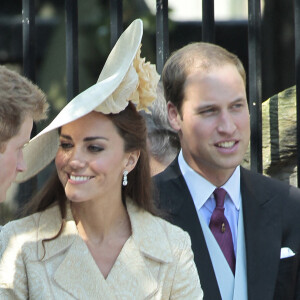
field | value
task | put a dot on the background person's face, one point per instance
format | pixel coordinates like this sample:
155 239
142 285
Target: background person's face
11 160
214 128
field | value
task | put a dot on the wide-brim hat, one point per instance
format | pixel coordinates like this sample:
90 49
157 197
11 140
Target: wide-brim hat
119 82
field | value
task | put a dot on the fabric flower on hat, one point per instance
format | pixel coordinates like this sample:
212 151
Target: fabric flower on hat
138 85
118 100
145 93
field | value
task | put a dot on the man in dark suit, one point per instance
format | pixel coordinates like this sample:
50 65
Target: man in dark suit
247 242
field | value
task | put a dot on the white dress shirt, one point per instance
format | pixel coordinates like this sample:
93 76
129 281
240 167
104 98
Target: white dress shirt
202 190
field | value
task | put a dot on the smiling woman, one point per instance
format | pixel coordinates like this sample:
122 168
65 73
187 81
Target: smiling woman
95 232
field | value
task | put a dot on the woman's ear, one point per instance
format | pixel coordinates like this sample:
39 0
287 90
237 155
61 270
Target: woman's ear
132 160
173 116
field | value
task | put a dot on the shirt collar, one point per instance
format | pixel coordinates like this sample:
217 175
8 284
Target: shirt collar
200 195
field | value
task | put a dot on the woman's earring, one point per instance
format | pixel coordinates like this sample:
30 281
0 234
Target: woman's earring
125 177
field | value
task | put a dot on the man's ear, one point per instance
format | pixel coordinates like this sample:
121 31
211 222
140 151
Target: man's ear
132 160
173 116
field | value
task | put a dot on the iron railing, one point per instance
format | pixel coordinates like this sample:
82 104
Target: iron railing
162 53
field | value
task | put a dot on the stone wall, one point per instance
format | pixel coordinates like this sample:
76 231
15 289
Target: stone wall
279 137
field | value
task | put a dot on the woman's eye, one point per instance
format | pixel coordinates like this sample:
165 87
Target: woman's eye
95 148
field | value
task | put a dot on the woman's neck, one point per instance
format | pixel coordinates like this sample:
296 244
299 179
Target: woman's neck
98 220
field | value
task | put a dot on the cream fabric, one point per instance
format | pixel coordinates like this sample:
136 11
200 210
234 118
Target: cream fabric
155 263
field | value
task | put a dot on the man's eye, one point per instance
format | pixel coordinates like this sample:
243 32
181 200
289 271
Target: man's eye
238 105
94 148
207 111
65 145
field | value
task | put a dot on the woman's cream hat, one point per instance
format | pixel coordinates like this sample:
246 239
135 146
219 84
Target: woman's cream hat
125 76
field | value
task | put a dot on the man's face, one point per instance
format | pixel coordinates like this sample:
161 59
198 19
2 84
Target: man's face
214 126
11 160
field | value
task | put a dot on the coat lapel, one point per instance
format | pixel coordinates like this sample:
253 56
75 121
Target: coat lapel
131 269
76 264
183 214
79 275
262 223
73 267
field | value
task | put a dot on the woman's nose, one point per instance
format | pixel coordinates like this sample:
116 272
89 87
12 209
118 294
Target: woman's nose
77 160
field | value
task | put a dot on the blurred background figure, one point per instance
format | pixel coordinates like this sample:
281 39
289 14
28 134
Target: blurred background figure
162 140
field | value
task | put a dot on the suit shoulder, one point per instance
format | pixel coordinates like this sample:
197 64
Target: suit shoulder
263 180
170 172
161 176
289 194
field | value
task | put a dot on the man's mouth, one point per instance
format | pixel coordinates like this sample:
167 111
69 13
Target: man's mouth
227 145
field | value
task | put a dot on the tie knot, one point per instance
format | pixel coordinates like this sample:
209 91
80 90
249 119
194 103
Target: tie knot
219 194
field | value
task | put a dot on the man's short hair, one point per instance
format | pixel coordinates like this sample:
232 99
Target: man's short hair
203 56
19 98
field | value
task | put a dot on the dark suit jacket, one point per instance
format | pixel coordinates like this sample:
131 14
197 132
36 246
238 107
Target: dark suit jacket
271 220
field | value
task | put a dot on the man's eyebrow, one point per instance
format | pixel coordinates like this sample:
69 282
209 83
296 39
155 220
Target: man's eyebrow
238 100
205 106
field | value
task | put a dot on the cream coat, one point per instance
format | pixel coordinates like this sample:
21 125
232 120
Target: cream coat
155 263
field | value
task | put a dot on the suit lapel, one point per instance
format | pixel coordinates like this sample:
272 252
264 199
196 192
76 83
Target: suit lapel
184 215
262 223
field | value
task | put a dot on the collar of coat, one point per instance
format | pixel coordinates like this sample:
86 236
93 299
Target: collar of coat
139 262
147 233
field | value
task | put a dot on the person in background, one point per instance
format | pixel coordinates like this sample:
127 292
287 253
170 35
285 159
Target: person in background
244 226
95 233
163 141
21 103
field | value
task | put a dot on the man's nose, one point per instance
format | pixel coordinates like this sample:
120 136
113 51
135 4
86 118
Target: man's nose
226 123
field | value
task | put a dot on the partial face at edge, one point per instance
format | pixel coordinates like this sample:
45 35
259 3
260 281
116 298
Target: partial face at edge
214 129
11 160
91 159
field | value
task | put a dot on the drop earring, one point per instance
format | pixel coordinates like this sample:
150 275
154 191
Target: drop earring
125 178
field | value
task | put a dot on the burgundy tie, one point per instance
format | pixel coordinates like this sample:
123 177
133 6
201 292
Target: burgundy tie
220 228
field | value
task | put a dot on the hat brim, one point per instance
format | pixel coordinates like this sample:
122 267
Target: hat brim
41 150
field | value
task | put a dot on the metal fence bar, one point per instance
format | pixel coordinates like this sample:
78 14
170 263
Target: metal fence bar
27 188
116 20
71 8
208 21
162 34
28 24
297 69
254 74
